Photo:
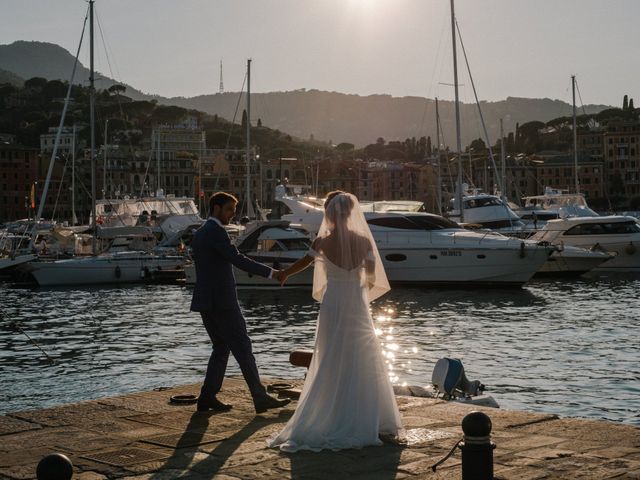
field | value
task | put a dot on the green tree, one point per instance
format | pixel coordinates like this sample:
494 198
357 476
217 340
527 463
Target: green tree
116 89
625 103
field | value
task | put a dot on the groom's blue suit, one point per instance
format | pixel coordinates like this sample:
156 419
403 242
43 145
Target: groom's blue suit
215 298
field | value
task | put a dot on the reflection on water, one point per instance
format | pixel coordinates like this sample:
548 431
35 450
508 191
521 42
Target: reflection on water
562 347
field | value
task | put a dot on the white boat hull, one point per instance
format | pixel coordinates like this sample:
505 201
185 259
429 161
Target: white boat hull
104 269
8 262
462 267
573 261
244 279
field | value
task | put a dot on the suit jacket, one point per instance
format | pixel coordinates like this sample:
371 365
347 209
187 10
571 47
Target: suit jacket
214 257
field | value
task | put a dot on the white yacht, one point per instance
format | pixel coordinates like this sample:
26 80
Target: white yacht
486 211
165 214
421 249
14 250
537 210
617 235
108 268
275 244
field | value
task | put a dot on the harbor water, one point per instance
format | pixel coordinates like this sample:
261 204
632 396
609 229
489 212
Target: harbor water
564 347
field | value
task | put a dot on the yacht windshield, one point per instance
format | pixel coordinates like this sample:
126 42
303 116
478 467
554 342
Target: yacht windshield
414 222
482 202
604 228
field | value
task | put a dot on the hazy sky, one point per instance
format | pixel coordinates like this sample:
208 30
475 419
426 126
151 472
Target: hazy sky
523 48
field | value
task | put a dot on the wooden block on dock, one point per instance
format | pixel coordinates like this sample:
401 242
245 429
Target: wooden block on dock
301 358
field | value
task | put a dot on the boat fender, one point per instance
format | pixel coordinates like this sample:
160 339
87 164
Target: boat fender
522 252
118 271
630 249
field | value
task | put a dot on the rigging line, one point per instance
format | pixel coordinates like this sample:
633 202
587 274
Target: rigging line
464 51
433 75
119 100
584 112
15 325
43 197
55 205
233 122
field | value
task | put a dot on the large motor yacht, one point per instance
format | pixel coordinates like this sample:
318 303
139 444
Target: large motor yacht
616 234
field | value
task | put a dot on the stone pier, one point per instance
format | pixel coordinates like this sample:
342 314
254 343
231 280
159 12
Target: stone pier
143 436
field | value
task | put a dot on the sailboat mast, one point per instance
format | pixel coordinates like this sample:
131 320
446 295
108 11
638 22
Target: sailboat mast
74 218
457 105
438 166
92 100
575 132
248 154
503 162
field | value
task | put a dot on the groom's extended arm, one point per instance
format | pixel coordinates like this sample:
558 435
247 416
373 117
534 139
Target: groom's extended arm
223 246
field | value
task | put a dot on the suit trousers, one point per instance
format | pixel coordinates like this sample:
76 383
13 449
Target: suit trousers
228 333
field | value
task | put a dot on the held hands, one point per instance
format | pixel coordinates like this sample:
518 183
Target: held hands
280 276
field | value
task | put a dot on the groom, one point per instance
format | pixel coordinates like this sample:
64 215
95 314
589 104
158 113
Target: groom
215 298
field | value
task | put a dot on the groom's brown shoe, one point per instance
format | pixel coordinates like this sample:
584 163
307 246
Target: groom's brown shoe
262 404
213 404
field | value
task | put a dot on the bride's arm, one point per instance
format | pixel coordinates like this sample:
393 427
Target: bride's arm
296 267
299 265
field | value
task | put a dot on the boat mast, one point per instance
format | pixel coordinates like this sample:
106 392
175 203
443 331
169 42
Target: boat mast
92 100
438 167
74 218
104 161
503 162
457 105
250 212
575 132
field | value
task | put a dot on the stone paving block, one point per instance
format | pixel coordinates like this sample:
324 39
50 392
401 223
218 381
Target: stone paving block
614 452
82 441
24 456
77 413
170 474
18 472
583 467
591 431
416 421
88 476
35 438
521 473
423 466
9 425
530 442
545 453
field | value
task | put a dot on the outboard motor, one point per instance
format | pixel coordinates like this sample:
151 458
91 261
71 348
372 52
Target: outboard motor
449 379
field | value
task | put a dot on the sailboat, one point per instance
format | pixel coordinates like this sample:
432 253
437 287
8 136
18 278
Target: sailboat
119 267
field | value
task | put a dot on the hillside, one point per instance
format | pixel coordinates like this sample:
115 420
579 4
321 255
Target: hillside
324 115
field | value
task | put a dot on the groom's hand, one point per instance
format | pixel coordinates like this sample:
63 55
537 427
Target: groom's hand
279 276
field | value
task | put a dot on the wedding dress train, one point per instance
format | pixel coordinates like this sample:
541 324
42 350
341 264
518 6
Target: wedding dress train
347 400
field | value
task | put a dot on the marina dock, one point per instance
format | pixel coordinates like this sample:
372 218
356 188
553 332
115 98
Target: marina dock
143 436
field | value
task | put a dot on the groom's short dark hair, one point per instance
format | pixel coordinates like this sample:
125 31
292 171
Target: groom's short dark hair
220 199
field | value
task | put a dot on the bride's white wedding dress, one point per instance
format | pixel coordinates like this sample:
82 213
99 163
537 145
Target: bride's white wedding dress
347 399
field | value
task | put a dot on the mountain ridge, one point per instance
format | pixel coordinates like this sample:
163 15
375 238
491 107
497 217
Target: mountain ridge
322 115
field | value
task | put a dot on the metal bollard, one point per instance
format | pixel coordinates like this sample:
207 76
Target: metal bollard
477 447
55 466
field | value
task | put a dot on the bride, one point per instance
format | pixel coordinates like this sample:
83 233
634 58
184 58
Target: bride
347 400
